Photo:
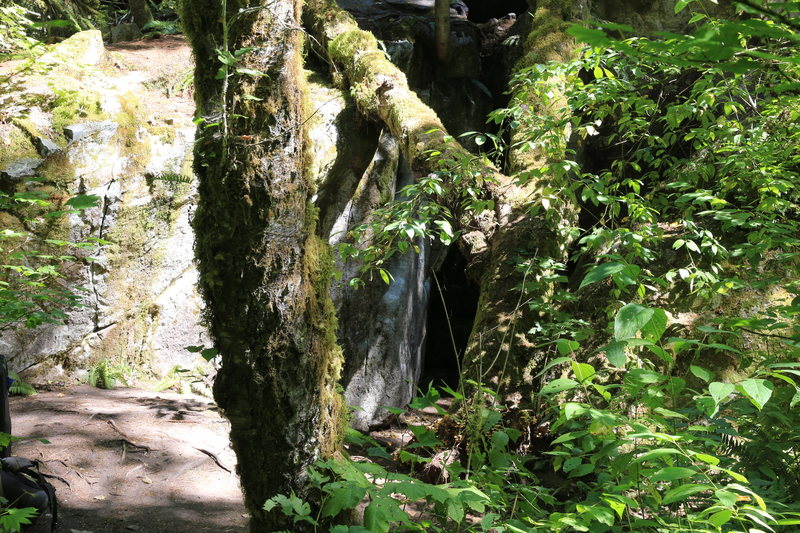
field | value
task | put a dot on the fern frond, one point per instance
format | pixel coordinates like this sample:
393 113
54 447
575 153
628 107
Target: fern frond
172 177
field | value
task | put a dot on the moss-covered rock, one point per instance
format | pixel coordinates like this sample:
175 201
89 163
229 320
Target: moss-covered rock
139 304
84 49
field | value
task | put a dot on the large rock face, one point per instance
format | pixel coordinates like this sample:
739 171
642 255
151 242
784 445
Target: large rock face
381 327
83 126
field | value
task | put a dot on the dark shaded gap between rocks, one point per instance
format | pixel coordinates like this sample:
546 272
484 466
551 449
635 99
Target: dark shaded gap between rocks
452 307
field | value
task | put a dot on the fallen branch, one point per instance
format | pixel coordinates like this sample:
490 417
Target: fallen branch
125 437
216 459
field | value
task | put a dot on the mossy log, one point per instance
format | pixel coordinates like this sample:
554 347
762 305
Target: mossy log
499 350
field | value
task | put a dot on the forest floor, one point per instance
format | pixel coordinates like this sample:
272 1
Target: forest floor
131 460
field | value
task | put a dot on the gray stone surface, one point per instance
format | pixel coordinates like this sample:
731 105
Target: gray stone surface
21 168
104 131
381 327
125 32
140 306
46 147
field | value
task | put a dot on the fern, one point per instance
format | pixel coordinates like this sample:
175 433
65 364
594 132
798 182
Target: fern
20 387
172 177
104 374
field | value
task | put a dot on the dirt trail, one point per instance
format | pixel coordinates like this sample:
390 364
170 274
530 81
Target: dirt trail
132 460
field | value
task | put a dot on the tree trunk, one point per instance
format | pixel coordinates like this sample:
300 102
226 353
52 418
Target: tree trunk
442 22
263 272
140 12
502 348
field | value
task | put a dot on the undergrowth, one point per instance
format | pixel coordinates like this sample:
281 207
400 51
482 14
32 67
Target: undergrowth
692 192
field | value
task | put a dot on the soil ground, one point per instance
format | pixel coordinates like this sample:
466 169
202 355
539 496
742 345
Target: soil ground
131 460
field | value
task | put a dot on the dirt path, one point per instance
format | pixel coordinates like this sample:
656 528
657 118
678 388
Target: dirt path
132 460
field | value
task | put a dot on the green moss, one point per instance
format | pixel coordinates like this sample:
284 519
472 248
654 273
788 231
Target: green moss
14 144
129 120
26 126
322 315
165 133
58 169
129 343
71 106
548 41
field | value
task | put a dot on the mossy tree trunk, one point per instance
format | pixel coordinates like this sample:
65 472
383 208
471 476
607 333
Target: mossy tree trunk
263 272
140 12
500 350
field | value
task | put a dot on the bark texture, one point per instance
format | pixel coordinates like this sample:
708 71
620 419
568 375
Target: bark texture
502 350
264 273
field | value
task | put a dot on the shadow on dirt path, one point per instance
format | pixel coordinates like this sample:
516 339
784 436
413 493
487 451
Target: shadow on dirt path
131 460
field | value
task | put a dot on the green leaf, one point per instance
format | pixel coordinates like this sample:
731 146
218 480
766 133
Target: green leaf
342 496
566 346
681 4
570 464
572 409
584 372
615 353
602 271
572 435
655 454
684 491
720 518
702 373
617 506
83 201
582 470
249 72
551 364
710 459
726 497
209 353
12 519
759 500
559 385
758 391
640 376
671 473
656 326
630 320
719 391
735 475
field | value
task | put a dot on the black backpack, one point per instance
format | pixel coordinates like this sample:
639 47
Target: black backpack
21 482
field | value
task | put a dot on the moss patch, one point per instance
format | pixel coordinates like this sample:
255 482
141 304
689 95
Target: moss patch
320 268
15 144
71 106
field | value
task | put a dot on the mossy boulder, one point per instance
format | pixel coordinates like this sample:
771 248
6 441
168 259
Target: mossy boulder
84 49
87 128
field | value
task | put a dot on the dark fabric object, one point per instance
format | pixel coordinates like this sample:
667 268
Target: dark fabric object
23 485
5 414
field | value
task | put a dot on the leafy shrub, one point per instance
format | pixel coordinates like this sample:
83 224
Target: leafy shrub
13 23
31 292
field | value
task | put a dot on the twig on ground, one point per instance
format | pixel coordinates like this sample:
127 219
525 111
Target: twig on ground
216 459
